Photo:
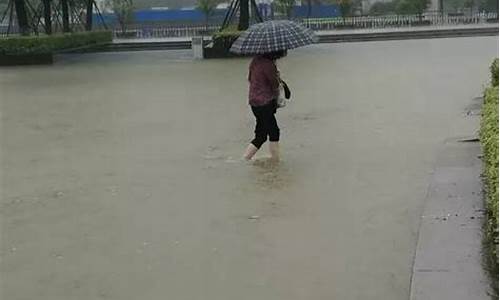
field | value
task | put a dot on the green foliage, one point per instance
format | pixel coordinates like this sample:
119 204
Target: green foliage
489 141
468 4
454 5
229 32
345 7
207 7
226 38
383 8
285 7
494 72
3 6
409 7
488 5
172 4
123 10
51 43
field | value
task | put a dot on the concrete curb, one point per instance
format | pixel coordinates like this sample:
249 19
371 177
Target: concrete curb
330 37
408 35
448 260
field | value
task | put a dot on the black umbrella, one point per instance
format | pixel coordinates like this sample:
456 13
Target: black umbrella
273 36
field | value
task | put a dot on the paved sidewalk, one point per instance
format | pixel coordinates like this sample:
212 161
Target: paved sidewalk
448 263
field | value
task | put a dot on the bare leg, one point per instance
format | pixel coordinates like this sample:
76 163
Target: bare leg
250 152
274 150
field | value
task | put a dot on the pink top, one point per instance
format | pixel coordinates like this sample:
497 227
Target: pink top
264 81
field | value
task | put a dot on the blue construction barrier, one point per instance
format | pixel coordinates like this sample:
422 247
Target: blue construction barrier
196 16
171 15
317 11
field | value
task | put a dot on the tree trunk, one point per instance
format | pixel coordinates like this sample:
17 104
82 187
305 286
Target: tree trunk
47 16
123 26
244 15
65 15
22 17
90 13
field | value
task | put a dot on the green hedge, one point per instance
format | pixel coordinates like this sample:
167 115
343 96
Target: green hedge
225 39
494 72
51 43
221 43
489 141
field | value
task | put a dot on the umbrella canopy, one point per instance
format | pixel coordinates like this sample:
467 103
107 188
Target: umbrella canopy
273 36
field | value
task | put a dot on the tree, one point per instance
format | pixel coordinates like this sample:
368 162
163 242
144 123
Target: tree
285 7
47 16
124 12
3 5
383 8
244 20
356 7
409 7
89 13
345 7
22 17
65 15
454 5
469 4
488 5
207 7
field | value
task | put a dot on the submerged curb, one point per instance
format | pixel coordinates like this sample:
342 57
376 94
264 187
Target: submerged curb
138 45
408 35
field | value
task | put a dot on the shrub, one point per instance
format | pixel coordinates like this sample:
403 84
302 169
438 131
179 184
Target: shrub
383 8
221 43
224 39
489 141
51 43
494 72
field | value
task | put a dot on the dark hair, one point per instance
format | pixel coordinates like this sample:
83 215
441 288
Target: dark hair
275 55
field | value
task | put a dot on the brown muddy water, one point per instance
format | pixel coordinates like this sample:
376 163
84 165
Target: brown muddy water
120 177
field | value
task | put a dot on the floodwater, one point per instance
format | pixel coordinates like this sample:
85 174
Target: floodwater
121 179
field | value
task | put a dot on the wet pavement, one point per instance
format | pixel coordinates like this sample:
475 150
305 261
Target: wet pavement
121 179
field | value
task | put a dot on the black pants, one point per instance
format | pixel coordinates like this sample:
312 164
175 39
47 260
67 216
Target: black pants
266 124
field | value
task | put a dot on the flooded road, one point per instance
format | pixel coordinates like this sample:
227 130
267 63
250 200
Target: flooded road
120 177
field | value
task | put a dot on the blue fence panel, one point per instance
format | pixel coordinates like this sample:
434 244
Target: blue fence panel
196 16
171 15
168 15
317 11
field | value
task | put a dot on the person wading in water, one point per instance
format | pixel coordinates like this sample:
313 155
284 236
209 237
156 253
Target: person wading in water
264 80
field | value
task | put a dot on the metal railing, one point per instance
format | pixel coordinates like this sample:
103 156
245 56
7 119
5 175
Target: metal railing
361 22
367 22
162 31
144 31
